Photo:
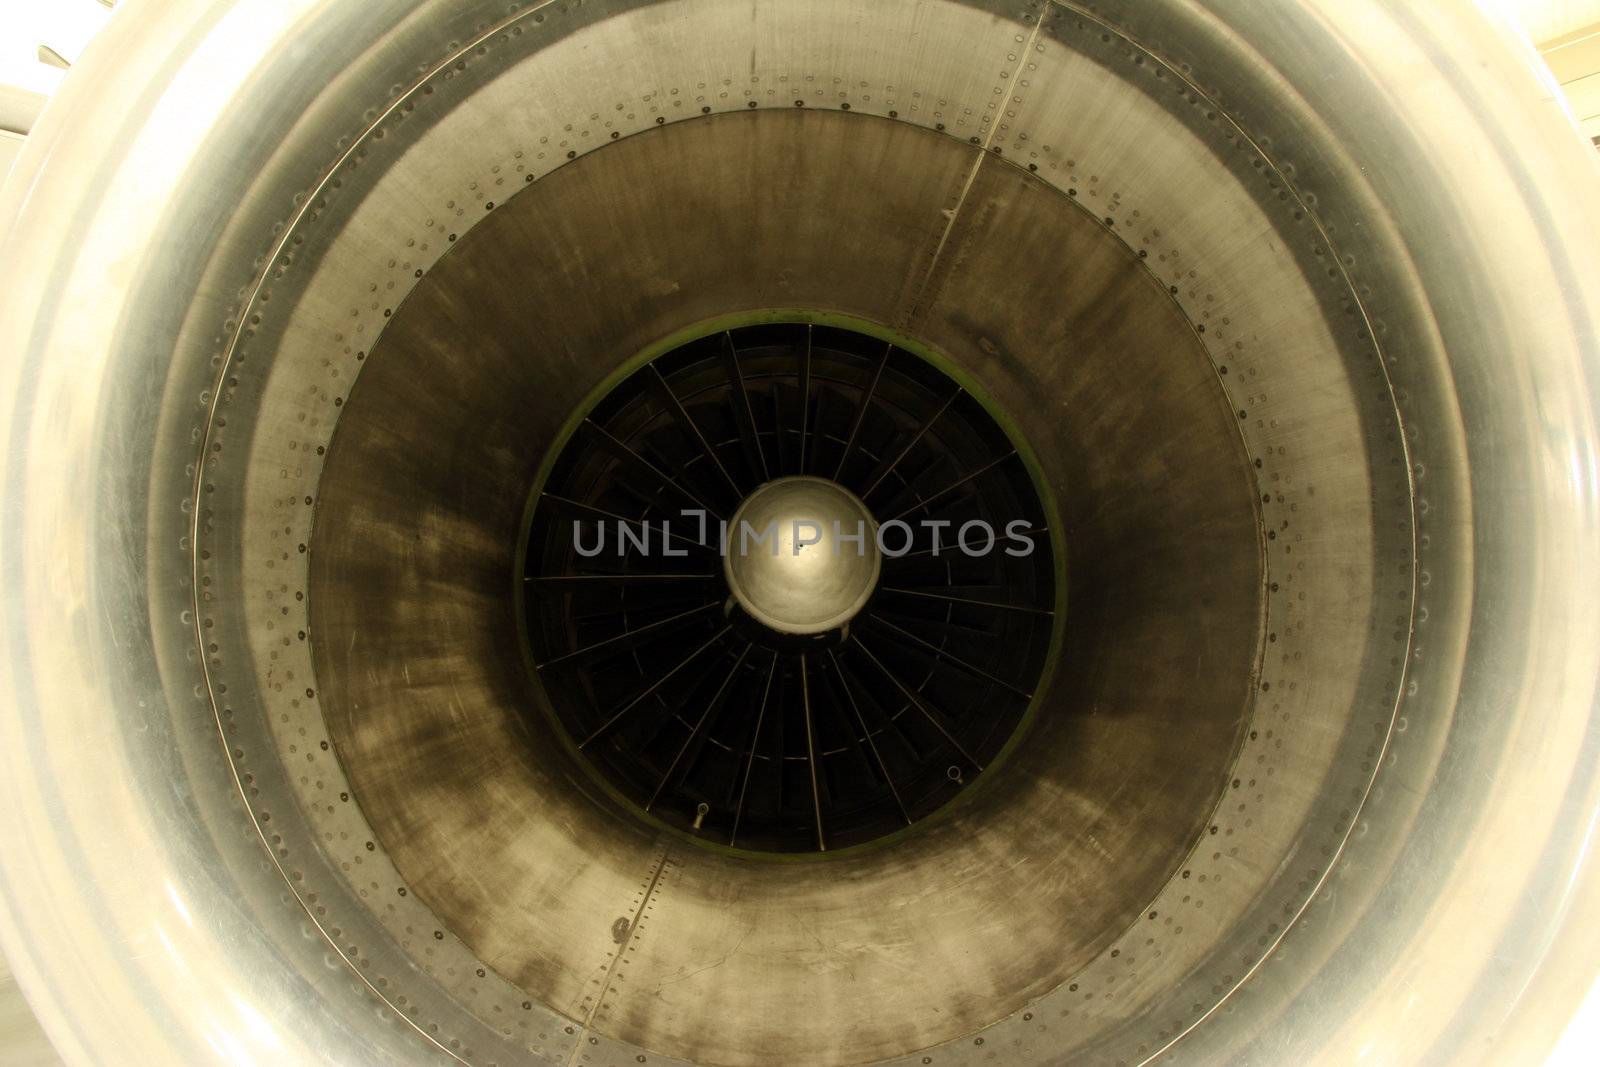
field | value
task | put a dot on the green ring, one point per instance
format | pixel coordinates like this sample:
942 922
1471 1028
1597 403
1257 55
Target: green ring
794 316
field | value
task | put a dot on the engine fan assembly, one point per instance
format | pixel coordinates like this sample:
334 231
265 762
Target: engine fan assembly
930 532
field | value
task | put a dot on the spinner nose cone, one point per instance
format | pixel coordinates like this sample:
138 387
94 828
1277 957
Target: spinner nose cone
802 555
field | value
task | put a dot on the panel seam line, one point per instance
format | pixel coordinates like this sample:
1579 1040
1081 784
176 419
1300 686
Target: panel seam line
972 176
616 960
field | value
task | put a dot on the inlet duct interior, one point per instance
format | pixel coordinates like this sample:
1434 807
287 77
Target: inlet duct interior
1272 323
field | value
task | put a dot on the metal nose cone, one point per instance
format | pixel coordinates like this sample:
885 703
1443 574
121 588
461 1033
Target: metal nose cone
802 555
